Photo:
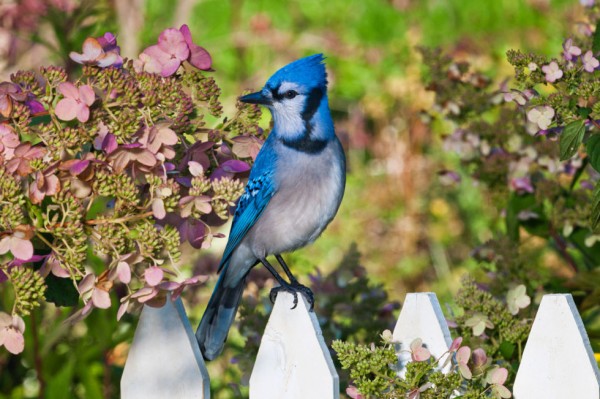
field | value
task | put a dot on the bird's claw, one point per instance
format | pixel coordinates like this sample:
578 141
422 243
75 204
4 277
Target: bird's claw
294 289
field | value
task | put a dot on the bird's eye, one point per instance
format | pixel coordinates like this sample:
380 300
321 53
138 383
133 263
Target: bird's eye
290 94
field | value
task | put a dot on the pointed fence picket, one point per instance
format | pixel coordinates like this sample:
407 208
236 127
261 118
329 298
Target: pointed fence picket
293 360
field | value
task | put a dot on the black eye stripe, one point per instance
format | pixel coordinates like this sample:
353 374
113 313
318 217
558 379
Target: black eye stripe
276 95
289 94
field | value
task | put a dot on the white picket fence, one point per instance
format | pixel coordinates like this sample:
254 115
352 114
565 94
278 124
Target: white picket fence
293 361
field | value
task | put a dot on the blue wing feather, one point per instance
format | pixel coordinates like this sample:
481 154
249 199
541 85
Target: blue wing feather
252 203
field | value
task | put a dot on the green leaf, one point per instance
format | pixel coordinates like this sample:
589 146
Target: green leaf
98 206
61 382
584 112
571 138
596 207
592 146
61 291
507 349
596 39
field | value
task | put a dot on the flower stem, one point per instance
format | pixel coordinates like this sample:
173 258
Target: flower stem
119 220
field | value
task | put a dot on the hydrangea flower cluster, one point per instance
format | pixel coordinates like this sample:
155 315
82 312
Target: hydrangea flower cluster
119 159
535 148
480 363
374 371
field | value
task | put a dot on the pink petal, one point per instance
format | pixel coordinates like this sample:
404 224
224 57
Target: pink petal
167 136
170 67
171 41
101 298
187 35
68 90
21 249
145 294
52 185
109 144
5 245
13 341
463 355
199 57
87 95
122 310
158 208
83 113
78 58
202 204
416 344
421 354
35 194
77 166
92 49
455 344
60 271
235 166
499 376
146 157
66 109
153 275
124 272
18 323
479 357
352 392
195 168
465 371
108 60
86 283
5 321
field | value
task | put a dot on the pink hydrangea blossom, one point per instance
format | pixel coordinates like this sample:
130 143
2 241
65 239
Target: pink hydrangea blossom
352 392
552 71
11 333
102 52
416 392
9 140
462 358
45 183
570 52
9 92
177 288
590 63
479 322
76 102
23 154
521 185
517 298
174 46
542 116
52 265
496 378
199 57
158 204
419 353
18 243
479 358
153 275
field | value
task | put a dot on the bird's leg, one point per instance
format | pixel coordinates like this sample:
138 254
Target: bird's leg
286 269
283 285
295 284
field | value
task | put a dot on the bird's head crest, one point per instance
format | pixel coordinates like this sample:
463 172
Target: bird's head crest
308 72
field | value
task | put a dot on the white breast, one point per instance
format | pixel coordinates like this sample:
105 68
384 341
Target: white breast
310 190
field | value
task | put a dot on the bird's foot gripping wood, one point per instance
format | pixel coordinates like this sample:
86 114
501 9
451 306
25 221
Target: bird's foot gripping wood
294 289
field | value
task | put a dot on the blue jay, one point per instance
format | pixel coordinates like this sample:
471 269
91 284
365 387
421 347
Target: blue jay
294 191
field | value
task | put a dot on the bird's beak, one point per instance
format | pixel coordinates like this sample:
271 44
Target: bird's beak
256 98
